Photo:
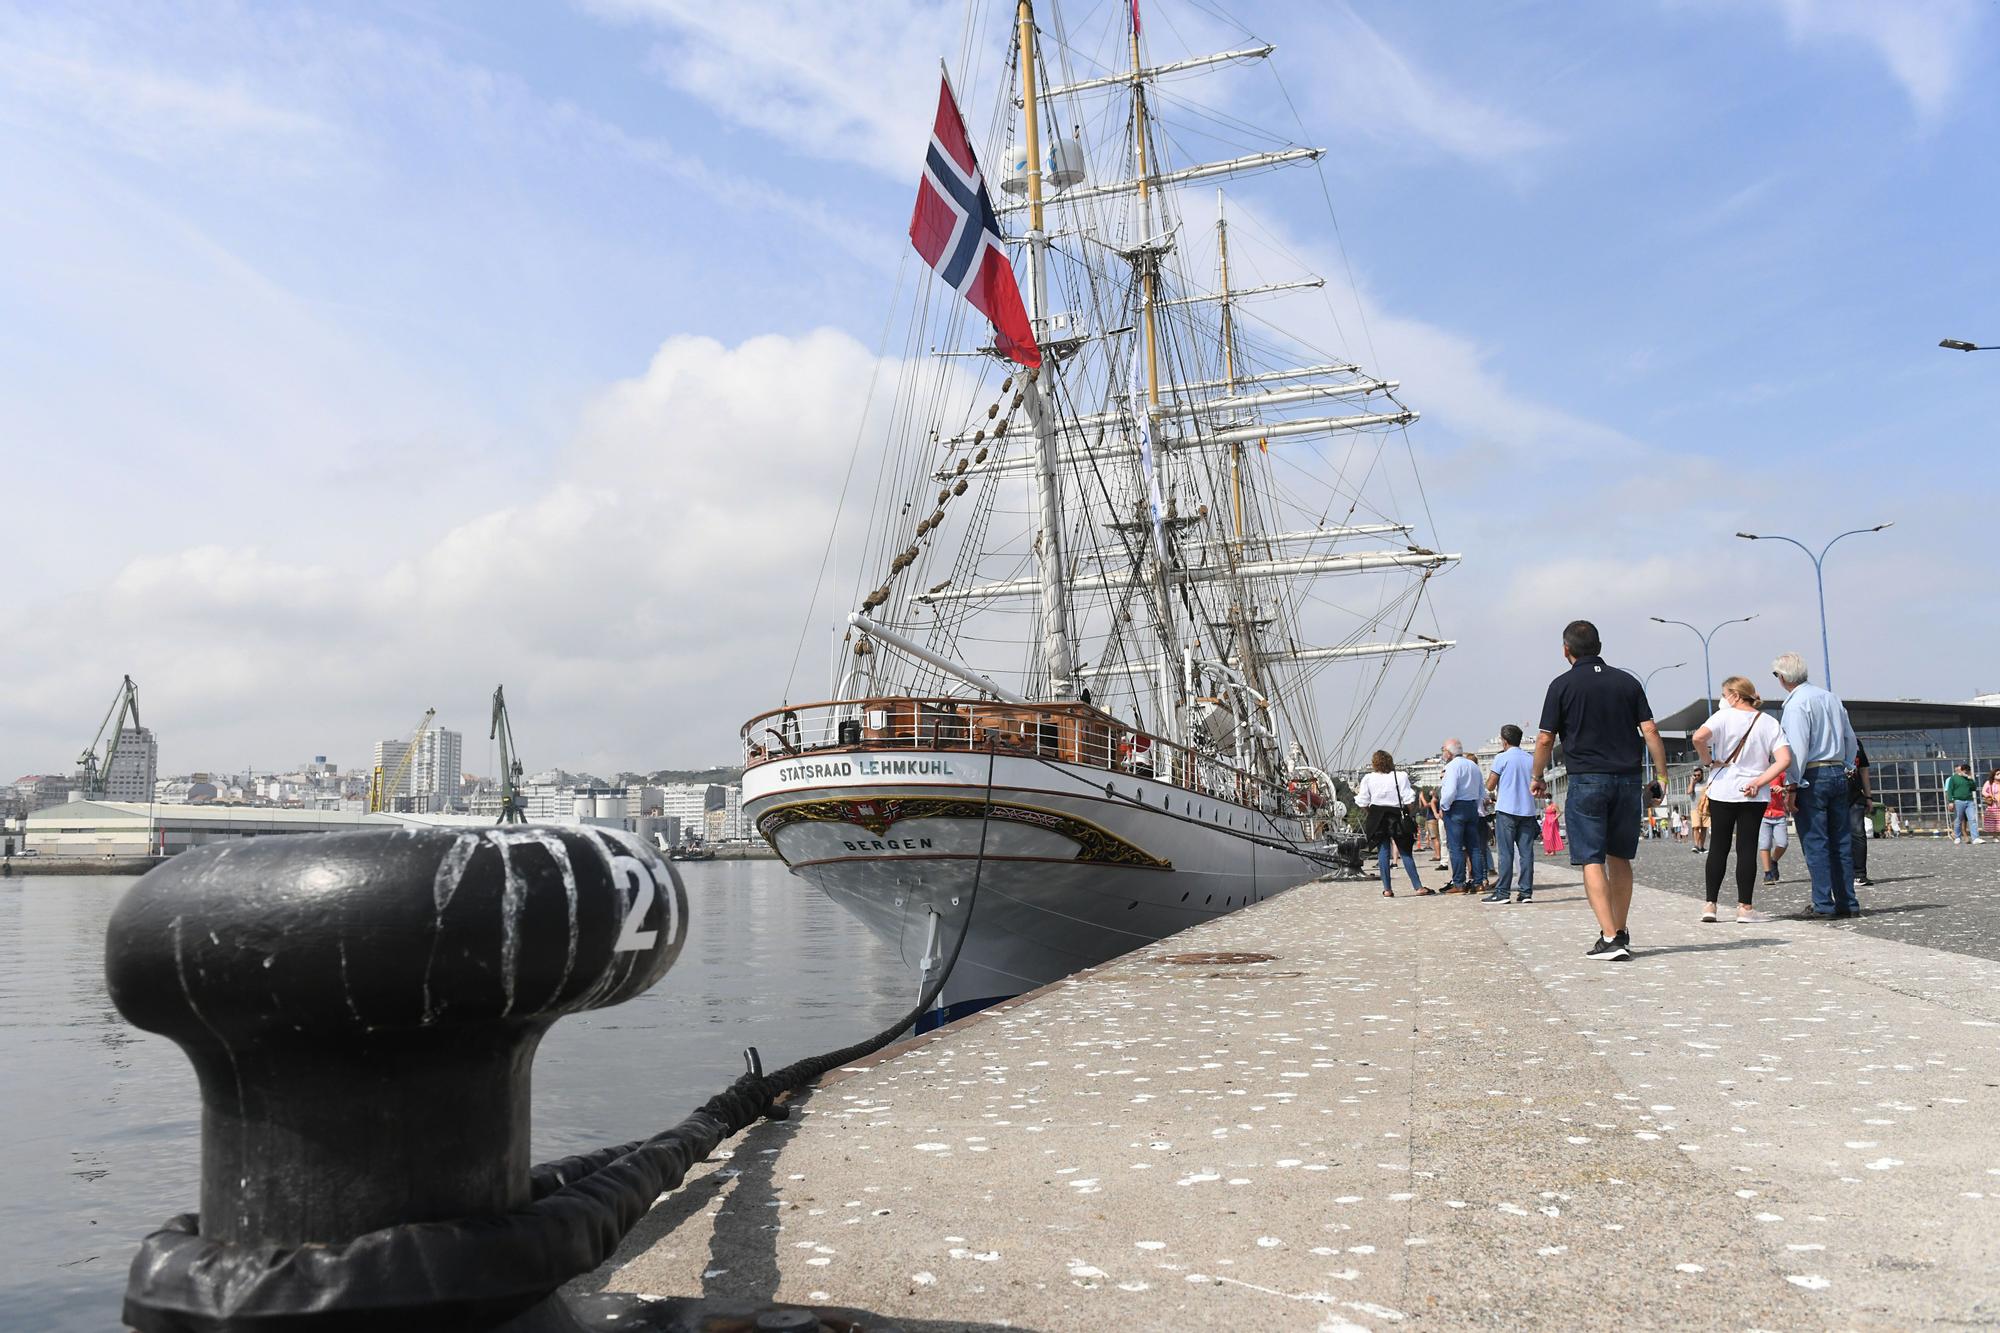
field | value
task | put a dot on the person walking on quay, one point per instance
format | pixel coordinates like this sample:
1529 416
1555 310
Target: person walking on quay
1744 750
1698 807
1482 842
1990 821
1390 806
1860 802
1435 818
1958 794
1773 837
1822 742
1458 811
1552 838
1607 729
1511 781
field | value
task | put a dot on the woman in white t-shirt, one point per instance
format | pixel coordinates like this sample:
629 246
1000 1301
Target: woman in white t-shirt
1744 749
1385 796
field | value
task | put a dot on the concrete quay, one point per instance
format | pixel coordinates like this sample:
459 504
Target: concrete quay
1417 1113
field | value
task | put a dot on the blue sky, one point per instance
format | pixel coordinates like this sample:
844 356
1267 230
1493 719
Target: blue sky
356 357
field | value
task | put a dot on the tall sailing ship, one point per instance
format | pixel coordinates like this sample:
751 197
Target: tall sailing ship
1087 650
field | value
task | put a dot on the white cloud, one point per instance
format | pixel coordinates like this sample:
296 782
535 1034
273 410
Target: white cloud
1924 43
1448 376
69 77
668 562
852 83
1370 85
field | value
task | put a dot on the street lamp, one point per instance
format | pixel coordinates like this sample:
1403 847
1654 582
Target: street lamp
1707 677
1819 578
1647 684
1961 345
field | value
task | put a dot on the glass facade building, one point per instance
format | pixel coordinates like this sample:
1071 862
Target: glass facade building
1912 748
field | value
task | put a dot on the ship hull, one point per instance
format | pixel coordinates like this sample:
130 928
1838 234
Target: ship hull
1067 874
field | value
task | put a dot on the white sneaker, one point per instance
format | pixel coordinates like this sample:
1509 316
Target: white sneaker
1955 840
1977 841
1752 918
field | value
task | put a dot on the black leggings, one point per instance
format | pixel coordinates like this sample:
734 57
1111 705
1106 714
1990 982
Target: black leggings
1733 822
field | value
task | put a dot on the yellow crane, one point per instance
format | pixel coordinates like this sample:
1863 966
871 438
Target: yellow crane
380 791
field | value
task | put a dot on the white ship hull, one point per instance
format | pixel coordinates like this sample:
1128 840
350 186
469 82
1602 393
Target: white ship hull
1070 876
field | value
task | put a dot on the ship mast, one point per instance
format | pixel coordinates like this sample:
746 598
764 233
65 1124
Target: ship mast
1229 365
1147 256
1241 615
1057 658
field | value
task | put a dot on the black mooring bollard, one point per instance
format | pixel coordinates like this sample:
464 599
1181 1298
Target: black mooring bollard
362 1010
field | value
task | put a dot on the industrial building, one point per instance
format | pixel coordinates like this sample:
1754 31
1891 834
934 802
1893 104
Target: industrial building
122 828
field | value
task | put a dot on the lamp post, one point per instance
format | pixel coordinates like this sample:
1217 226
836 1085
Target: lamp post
1647 683
1819 578
1646 686
1707 677
1961 345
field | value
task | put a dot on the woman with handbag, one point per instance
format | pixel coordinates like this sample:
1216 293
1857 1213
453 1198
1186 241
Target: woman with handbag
1744 750
1389 806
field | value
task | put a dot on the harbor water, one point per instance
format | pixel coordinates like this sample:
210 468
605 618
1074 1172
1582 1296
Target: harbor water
103 1120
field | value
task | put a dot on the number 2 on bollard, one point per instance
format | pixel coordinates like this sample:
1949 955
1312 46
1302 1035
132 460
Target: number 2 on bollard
644 890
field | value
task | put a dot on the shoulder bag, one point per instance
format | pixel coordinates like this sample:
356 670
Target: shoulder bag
1745 740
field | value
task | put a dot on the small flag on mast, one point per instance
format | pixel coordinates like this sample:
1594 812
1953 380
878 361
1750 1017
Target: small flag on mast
953 227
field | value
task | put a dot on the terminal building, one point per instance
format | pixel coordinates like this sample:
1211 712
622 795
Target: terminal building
1912 747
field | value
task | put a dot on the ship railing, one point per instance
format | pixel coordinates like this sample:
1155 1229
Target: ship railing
1071 733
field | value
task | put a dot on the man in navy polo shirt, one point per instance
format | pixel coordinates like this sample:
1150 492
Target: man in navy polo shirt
1606 726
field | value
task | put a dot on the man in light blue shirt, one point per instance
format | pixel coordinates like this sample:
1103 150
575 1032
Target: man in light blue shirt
1458 808
1822 742
1514 824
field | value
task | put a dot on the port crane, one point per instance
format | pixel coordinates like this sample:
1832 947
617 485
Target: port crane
90 774
380 791
510 762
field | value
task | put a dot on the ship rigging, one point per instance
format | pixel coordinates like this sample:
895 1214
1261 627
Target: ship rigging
1101 548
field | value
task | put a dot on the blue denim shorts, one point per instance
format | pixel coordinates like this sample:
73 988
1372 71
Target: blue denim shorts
1602 817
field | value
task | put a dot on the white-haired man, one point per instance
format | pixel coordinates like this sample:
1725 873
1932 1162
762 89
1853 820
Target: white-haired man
1822 741
1459 788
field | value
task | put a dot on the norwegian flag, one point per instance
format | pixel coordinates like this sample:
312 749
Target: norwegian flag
954 229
